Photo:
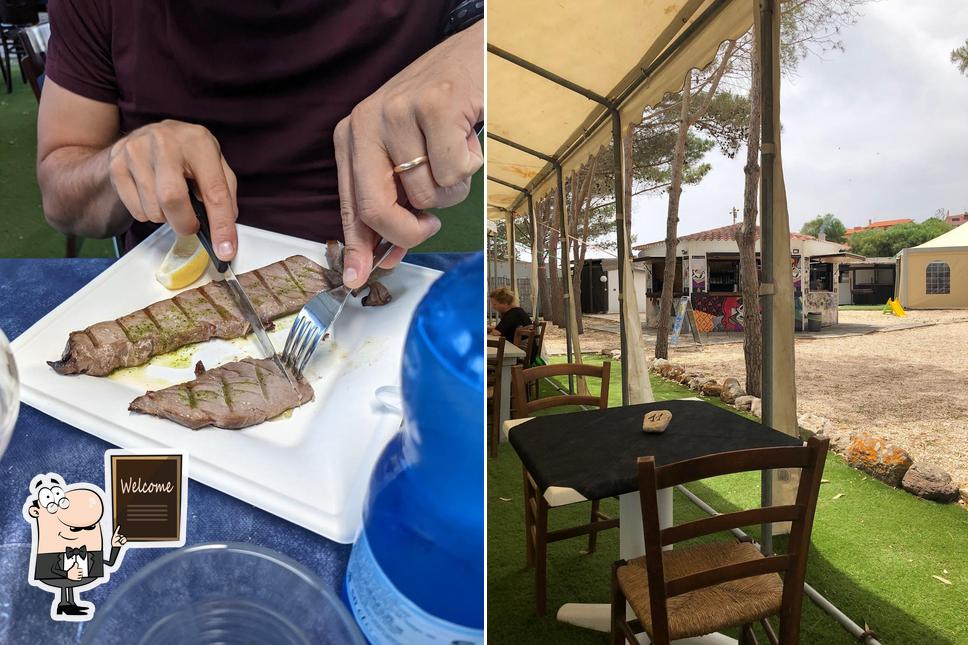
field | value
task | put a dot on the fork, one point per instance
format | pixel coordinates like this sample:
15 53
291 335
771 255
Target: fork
318 315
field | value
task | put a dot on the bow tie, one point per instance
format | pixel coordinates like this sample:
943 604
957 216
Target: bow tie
71 552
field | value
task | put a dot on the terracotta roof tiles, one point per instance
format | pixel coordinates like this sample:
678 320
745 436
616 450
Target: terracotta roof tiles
721 234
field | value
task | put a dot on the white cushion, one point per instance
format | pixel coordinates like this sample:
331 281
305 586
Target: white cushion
511 423
562 496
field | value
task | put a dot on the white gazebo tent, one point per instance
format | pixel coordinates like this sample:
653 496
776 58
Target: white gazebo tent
566 78
934 275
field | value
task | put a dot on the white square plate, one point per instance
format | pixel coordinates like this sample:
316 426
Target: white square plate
311 467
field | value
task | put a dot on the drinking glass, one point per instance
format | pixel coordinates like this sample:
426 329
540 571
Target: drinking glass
9 393
223 593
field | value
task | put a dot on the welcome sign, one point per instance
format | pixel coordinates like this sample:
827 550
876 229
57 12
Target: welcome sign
149 494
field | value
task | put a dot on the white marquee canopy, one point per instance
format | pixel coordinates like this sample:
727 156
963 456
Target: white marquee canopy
604 46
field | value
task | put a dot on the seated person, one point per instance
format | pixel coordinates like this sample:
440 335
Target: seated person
505 302
322 120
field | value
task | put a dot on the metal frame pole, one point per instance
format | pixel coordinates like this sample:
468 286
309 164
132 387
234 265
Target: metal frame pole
565 269
767 166
621 228
621 209
489 246
509 224
534 235
565 259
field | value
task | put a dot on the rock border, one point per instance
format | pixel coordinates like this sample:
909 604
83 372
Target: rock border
871 454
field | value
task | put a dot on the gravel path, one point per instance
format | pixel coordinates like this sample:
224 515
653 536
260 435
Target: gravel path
909 386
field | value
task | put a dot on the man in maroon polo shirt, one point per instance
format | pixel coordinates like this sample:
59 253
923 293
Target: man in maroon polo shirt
292 115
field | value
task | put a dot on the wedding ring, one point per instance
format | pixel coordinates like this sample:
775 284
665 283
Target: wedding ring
409 165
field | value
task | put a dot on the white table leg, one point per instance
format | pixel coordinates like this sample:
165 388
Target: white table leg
631 545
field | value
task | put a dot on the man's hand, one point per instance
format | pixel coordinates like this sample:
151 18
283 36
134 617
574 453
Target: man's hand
118 540
74 572
148 169
429 108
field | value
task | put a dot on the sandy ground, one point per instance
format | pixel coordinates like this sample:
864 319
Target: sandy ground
908 385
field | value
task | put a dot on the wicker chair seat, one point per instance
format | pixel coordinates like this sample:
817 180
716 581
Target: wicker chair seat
710 609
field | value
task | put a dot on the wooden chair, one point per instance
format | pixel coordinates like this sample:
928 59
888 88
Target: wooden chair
529 339
539 326
536 507
696 590
32 46
494 370
524 338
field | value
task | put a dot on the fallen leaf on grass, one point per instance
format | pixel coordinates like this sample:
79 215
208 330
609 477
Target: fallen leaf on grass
824 481
944 580
504 499
838 495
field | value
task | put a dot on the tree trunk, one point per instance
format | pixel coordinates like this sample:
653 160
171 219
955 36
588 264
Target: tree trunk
580 214
675 192
746 239
672 223
541 235
578 260
555 309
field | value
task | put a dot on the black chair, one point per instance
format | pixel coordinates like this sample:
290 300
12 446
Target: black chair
14 15
32 45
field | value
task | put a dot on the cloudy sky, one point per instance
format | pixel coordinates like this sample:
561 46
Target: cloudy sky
879 131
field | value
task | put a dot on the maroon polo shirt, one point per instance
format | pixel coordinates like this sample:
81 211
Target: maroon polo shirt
270 79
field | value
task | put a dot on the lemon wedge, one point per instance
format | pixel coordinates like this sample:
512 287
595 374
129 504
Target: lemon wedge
184 263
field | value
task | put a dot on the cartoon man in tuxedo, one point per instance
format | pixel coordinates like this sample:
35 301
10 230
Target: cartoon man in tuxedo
68 551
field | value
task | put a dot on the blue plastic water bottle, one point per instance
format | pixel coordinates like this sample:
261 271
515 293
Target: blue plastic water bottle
416 573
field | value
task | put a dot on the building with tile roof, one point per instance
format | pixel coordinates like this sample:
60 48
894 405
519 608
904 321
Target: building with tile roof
957 219
707 271
878 224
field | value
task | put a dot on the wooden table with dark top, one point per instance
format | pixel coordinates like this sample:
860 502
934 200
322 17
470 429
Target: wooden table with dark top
592 455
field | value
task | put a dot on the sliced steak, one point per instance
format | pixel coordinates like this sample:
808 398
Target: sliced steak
377 295
192 316
235 395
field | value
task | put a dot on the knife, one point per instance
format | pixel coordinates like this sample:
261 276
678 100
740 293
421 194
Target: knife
238 293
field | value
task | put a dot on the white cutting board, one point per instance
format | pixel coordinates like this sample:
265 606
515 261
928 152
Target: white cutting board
312 467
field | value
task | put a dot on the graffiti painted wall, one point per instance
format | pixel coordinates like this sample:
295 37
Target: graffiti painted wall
698 273
718 313
798 314
796 263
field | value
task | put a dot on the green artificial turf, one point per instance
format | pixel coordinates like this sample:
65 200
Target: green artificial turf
875 550
462 226
25 233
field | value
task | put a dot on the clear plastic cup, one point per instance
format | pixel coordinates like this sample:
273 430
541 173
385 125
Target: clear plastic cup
222 593
9 393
